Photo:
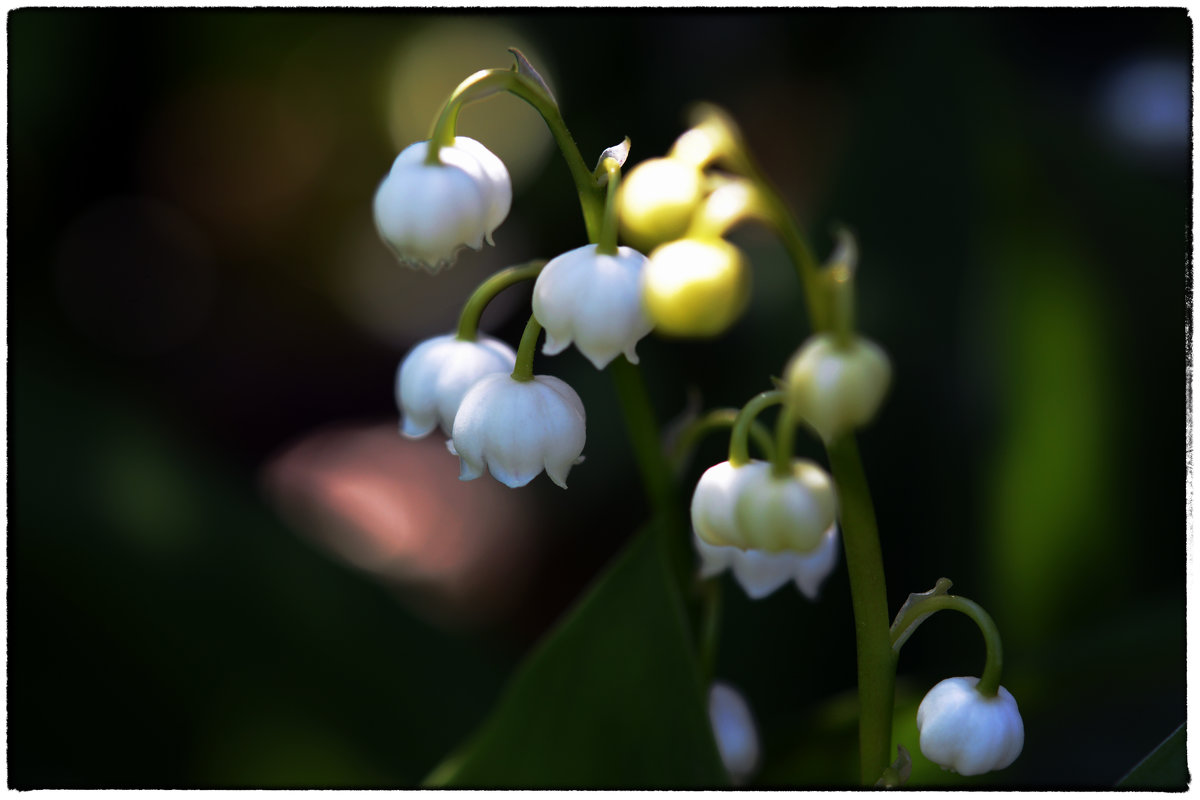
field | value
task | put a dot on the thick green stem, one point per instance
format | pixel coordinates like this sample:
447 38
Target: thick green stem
868 593
714 420
488 82
739 445
606 244
653 466
916 612
841 304
523 371
710 628
468 321
838 278
643 435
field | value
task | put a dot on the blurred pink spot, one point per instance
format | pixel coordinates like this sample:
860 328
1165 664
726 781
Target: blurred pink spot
395 508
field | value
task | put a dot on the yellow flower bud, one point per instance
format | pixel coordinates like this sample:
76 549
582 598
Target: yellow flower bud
837 388
656 200
695 287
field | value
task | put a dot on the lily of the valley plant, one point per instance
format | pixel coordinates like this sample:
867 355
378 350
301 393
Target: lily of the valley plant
770 520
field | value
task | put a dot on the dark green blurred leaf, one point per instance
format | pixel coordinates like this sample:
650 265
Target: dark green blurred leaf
612 699
1164 768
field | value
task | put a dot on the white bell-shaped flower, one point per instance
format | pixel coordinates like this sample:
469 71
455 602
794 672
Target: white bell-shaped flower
734 729
515 429
760 573
964 731
594 300
724 540
714 502
435 375
427 213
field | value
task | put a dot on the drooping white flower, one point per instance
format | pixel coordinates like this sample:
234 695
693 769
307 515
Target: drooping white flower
515 429
594 300
964 731
714 502
427 213
737 511
435 375
760 573
734 729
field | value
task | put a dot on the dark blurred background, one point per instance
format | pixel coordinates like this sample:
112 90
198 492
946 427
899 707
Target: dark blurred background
227 569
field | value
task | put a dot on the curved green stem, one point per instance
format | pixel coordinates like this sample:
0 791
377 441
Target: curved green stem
785 432
739 446
606 243
921 607
728 147
468 321
797 247
868 594
714 420
489 81
523 371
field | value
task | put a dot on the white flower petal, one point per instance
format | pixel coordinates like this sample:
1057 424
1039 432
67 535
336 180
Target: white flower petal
761 573
811 570
435 375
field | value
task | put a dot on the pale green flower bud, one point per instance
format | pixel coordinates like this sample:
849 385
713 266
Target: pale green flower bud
787 513
836 389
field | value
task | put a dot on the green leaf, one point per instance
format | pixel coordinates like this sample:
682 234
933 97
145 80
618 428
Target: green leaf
613 698
1164 768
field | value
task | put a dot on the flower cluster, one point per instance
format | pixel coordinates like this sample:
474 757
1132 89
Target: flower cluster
499 416
769 522
513 428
